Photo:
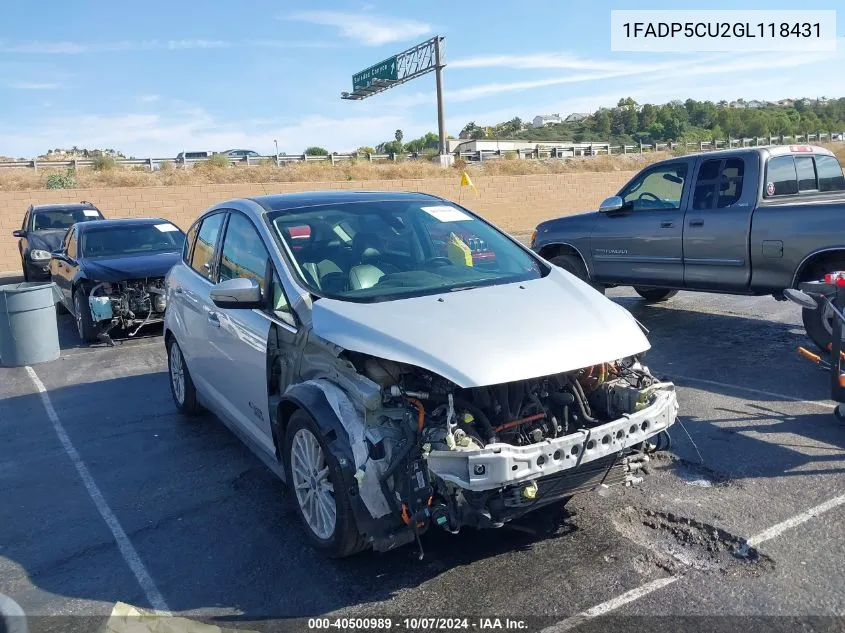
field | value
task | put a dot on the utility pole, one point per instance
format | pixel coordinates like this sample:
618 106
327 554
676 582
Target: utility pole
438 73
277 146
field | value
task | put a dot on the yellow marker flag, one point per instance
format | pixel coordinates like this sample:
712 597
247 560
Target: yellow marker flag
466 182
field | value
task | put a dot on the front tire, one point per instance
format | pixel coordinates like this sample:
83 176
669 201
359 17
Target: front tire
316 481
85 327
181 384
573 265
654 295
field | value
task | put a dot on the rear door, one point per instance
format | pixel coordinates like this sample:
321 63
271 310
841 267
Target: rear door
642 241
192 297
717 224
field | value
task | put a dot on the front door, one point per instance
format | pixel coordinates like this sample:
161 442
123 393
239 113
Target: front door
643 241
239 337
63 268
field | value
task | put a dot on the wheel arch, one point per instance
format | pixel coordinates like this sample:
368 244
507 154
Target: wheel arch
803 271
555 249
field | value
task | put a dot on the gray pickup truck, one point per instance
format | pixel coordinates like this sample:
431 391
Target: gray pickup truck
751 221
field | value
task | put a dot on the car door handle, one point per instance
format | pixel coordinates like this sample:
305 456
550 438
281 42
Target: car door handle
696 222
667 225
213 319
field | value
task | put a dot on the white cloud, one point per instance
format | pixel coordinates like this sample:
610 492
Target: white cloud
291 44
56 48
148 98
372 30
534 60
156 135
191 44
35 86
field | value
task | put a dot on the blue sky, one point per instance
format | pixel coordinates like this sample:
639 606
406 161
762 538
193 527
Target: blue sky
156 77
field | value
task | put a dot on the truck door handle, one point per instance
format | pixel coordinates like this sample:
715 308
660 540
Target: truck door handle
667 225
213 319
696 222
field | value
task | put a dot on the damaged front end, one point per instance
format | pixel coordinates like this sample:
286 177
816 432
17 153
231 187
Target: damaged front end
428 452
128 305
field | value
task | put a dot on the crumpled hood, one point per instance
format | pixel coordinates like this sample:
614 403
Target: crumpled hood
46 240
113 269
489 335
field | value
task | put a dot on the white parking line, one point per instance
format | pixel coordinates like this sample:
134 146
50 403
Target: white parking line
759 392
130 555
654 585
798 519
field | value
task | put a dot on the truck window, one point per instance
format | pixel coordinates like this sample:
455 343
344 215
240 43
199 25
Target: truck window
830 174
719 183
658 188
806 173
781 178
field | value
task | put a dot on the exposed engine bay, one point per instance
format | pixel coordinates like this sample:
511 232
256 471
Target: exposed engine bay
128 305
453 457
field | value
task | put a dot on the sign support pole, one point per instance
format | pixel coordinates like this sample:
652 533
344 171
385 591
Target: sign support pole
438 73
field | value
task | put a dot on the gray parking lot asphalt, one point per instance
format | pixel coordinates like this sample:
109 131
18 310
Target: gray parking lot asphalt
113 497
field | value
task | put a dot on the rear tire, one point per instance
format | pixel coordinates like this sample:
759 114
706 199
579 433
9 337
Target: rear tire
318 489
573 265
181 384
654 295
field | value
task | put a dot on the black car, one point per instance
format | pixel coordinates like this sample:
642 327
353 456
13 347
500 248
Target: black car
43 229
111 273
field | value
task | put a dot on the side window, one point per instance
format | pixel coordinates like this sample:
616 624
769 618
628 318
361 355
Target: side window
202 259
190 238
830 174
244 254
806 173
781 177
659 188
719 183
71 243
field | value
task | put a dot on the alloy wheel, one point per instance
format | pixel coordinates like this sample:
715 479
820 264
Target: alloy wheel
311 482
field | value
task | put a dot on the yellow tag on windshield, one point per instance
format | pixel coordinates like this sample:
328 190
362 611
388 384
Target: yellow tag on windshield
458 251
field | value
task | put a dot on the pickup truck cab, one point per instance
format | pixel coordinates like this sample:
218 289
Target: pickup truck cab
750 221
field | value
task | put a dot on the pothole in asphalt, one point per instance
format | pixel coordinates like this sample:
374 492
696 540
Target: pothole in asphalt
679 543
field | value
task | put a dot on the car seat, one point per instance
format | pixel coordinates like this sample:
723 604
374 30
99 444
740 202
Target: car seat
316 258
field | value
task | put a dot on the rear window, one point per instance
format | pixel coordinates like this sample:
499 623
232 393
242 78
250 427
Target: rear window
830 174
786 175
781 178
62 219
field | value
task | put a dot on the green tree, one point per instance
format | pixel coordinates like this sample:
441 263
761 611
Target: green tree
316 151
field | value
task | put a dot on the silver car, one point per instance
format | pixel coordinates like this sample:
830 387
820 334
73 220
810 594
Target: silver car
404 365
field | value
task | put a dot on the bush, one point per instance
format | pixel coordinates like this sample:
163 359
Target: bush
165 166
66 180
218 160
316 151
103 162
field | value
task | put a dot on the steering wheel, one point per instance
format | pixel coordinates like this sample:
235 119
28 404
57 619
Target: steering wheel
650 195
439 261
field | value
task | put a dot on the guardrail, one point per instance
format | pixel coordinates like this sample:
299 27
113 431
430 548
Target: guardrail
540 152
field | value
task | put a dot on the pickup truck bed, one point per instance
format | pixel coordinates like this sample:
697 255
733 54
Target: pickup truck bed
749 221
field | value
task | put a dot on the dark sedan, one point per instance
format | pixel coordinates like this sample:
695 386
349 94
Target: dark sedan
111 273
43 229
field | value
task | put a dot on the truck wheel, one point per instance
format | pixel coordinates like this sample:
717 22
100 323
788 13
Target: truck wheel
654 295
573 265
319 494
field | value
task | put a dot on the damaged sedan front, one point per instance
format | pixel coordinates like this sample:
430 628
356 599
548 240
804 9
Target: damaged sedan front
110 274
402 383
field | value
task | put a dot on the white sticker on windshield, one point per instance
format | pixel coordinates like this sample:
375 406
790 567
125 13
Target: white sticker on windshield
446 213
166 228
91 213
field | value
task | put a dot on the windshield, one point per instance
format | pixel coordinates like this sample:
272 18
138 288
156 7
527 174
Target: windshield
57 219
131 240
376 251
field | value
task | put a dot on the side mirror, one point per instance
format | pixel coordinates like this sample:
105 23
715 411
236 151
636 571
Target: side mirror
237 293
613 203
801 298
19 233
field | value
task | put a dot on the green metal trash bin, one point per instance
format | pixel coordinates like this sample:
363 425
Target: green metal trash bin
29 333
